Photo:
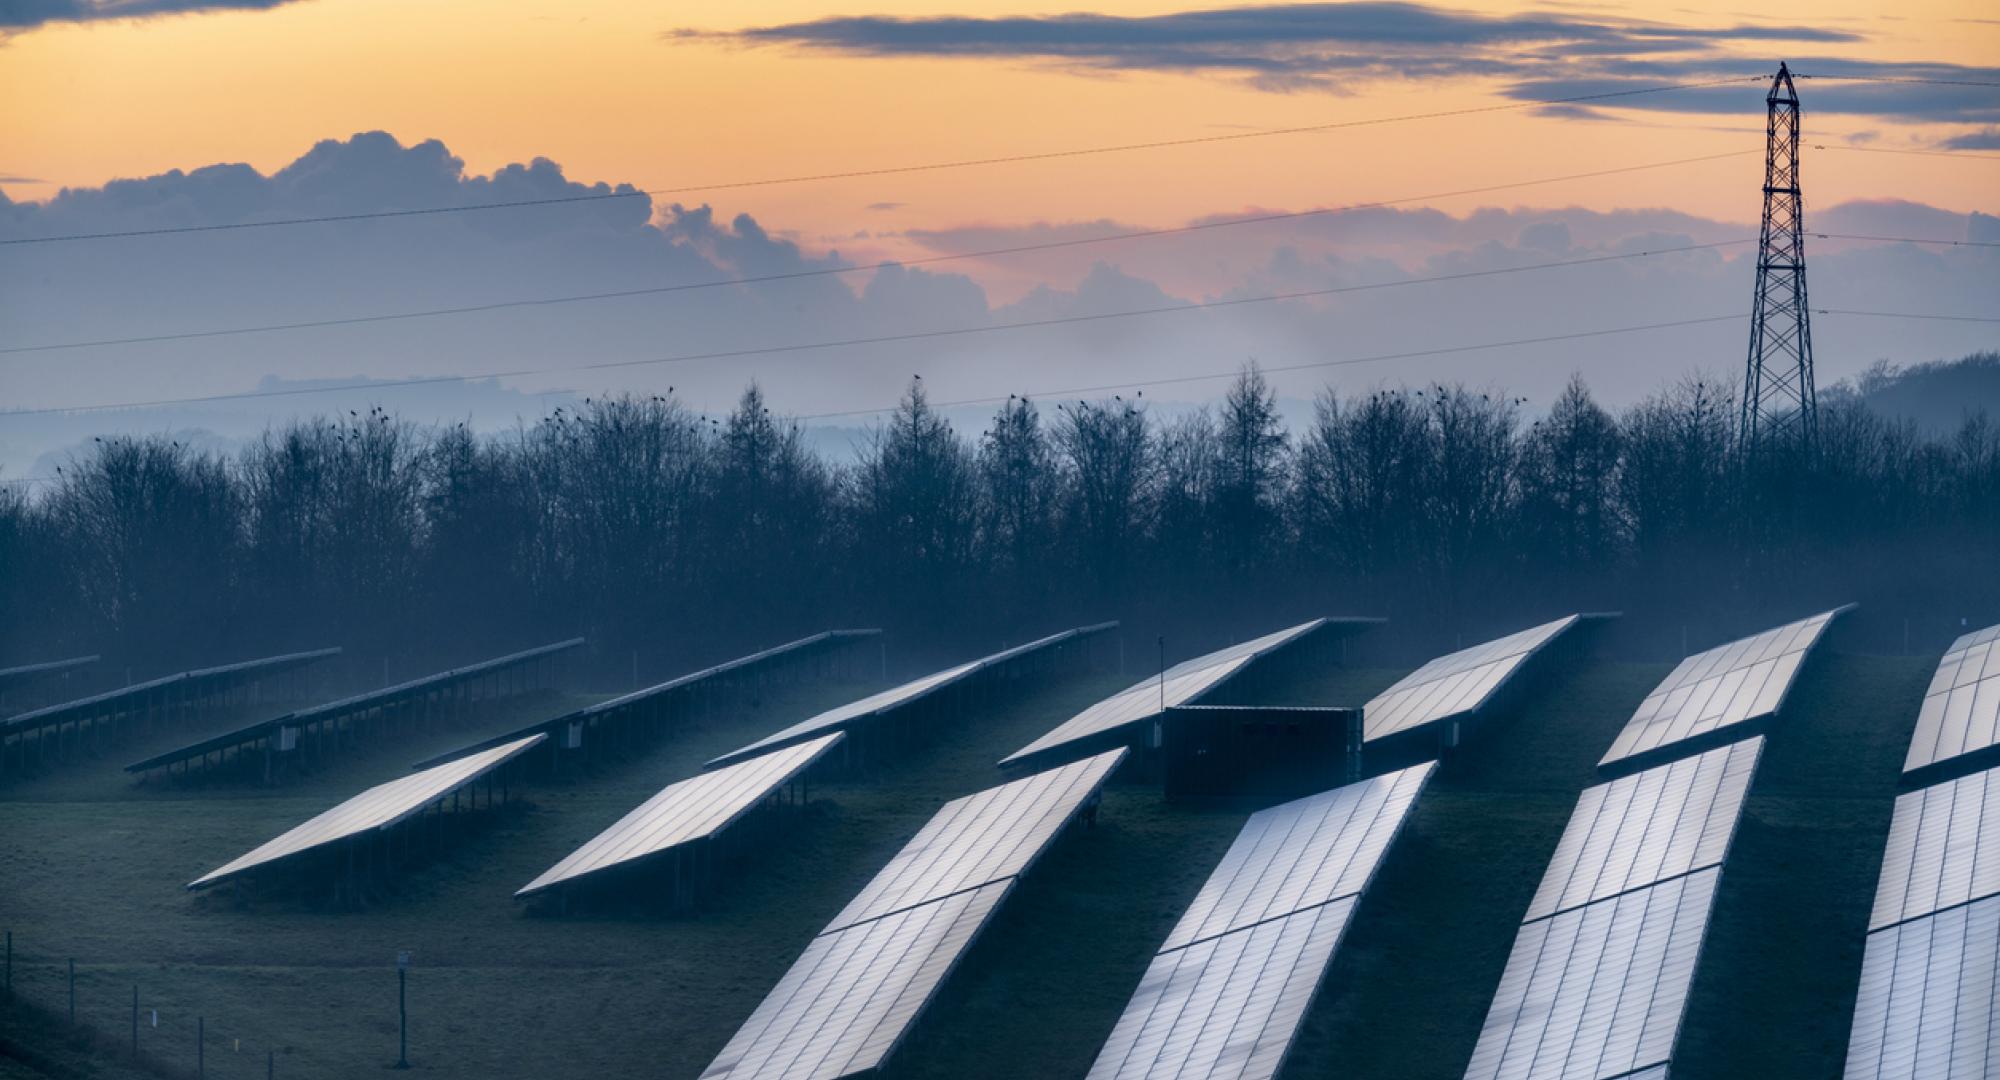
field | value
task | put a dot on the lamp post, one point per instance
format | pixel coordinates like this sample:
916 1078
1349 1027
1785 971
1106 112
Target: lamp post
403 1009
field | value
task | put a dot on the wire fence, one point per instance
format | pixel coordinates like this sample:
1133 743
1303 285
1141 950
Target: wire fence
69 1018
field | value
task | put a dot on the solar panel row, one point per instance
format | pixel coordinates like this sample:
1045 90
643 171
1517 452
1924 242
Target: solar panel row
48 667
568 728
1925 1007
1455 684
1226 993
847 1003
1961 711
1720 689
1943 849
380 807
1645 828
841 717
1597 991
1601 968
195 681
1181 684
1227 1006
682 813
332 712
994 834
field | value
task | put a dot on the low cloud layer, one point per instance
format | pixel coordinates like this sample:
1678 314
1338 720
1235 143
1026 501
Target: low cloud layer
26 14
1333 47
199 281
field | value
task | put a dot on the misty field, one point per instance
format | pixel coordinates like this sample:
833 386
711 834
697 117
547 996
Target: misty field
93 867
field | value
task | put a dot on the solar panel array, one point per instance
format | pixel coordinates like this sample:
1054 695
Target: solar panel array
1597 991
1645 828
1181 684
1600 970
47 667
1961 713
325 712
1943 850
847 1002
684 812
1226 1006
196 681
840 717
1455 684
604 710
1726 686
1925 1007
1225 994
378 808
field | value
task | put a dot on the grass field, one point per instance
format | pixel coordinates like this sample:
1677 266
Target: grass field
92 865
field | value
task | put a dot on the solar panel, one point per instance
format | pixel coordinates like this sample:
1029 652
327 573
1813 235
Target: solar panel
1179 685
1457 683
1926 1005
1728 685
328 711
1301 854
846 1004
377 808
1226 1006
981 838
47 667
1943 849
197 679
1597 991
637 699
683 812
1642 829
1225 994
1961 712
854 994
839 717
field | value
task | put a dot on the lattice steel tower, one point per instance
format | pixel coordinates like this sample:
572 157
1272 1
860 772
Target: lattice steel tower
1779 404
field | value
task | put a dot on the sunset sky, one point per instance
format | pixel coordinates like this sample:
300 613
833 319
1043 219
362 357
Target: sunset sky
693 97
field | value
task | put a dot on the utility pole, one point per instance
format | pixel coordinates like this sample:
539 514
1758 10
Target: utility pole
403 1009
1779 404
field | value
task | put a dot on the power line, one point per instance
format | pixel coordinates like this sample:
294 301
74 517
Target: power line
1166 381
359 320
935 166
1966 154
1902 79
1017 249
1313 365
1908 315
919 335
1905 240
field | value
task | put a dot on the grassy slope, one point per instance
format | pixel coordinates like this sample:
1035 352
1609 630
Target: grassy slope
94 863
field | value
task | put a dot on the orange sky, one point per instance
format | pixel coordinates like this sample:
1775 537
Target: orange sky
592 85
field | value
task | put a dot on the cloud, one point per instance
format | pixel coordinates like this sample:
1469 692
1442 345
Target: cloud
8 178
251 277
26 14
1988 139
882 206
1556 57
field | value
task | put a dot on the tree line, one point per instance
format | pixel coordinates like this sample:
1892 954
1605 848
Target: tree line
640 522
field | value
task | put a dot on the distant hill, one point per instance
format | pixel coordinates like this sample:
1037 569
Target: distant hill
1937 395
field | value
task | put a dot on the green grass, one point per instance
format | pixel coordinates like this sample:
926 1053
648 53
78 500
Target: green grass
92 864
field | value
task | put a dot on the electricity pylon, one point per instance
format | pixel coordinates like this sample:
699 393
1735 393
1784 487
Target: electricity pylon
1779 404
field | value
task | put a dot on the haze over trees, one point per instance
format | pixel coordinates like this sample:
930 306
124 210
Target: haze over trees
643 524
